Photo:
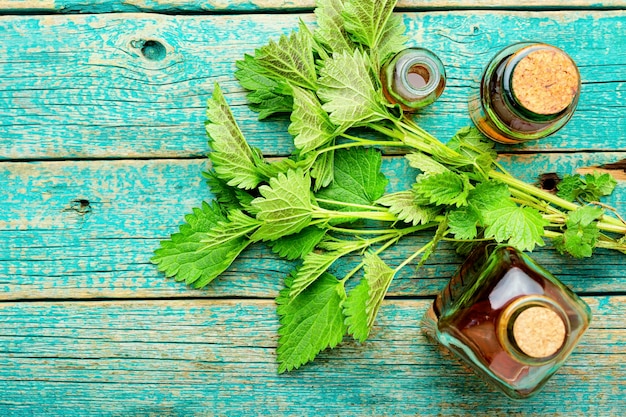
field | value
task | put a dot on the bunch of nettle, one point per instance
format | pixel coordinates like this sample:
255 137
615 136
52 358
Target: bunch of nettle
328 199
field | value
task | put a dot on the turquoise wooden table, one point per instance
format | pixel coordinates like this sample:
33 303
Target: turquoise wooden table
101 148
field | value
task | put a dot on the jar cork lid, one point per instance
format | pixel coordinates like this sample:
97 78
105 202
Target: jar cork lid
539 332
546 81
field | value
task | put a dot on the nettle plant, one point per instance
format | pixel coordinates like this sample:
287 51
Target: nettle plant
327 200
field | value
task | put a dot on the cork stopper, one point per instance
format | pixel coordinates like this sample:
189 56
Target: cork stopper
539 332
545 81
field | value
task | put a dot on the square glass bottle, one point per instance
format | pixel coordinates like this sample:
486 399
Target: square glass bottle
511 320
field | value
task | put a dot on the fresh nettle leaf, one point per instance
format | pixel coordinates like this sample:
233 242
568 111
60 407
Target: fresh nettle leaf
232 158
267 95
283 165
185 255
313 266
372 24
357 178
284 206
445 188
364 301
237 224
475 147
298 244
590 187
521 227
230 198
484 204
425 163
463 223
346 88
323 169
330 30
311 322
310 124
291 59
581 233
405 205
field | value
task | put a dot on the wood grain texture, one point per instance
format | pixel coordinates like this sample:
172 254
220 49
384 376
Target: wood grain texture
59 249
206 358
173 6
79 86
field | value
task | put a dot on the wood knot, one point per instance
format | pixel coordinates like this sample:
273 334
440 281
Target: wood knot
152 50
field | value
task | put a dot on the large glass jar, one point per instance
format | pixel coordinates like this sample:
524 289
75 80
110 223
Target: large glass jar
511 320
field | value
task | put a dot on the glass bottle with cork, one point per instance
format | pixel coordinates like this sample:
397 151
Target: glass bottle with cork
528 91
511 320
414 78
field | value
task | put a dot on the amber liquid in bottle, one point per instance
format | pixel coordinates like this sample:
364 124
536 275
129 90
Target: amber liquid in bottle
509 319
528 91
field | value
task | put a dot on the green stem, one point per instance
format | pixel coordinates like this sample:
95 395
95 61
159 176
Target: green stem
404 231
321 213
362 206
607 223
361 264
414 255
532 190
361 142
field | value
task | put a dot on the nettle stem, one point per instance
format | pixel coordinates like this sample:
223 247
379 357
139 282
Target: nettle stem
322 213
606 223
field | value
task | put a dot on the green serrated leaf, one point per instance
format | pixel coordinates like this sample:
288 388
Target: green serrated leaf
298 244
348 92
474 147
230 198
584 216
522 227
463 223
404 205
291 59
311 322
355 311
590 187
231 156
313 266
310 124
323 169
330 31
602 184
267 96
486 197
357 178
284 206
372 24
445 188
570 187
187 256
363 303
425 163
392 40
581 233
281 166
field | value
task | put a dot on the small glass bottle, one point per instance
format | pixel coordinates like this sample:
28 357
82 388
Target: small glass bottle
528 91
413 78
511 320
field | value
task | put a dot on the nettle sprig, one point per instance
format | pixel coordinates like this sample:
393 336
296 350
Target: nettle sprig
328 200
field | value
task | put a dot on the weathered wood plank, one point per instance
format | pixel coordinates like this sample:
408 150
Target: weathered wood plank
52 247
76 86
172 6
204 357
